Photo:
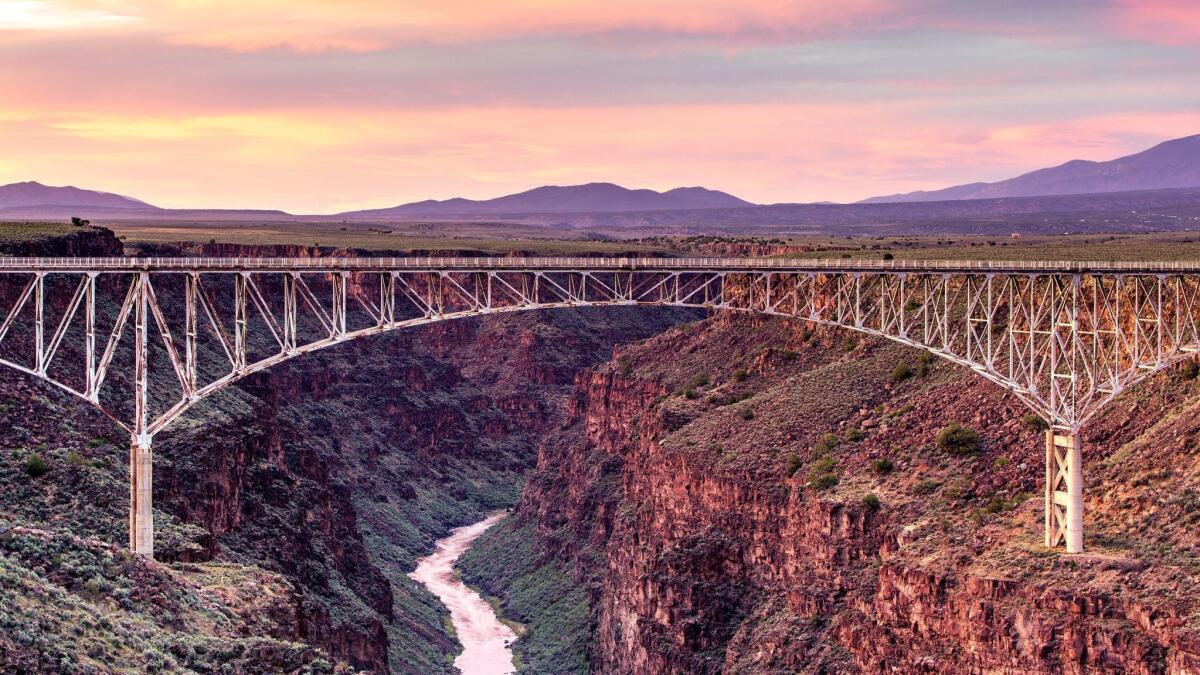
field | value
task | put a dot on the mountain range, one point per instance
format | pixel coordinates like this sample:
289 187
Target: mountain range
1172 164
1155 178
588 198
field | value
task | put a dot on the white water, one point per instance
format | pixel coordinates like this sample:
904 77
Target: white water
484 638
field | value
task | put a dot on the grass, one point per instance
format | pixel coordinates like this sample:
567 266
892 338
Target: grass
24 232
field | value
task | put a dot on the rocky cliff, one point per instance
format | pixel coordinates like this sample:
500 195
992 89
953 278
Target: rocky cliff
751 496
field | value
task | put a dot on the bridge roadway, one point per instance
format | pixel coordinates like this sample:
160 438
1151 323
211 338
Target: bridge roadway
1064 337
339 264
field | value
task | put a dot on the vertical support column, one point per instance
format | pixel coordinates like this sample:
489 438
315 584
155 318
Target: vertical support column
141 517
141 513
1064 490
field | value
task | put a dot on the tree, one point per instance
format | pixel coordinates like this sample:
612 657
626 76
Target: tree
80 222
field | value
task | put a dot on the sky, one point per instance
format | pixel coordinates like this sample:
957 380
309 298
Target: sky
315 106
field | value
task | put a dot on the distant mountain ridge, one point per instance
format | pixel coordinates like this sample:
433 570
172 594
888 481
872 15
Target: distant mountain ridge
31 194
587 198
1171 164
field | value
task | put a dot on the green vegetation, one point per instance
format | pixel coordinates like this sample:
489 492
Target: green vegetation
882 466
901 372
698 381
793 464
854 435
35 466
747 413
926 487
740 374
870 501
826 443
1035 422
538 592
958 440
822 474
924 363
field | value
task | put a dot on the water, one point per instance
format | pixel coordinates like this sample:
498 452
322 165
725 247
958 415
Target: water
484 638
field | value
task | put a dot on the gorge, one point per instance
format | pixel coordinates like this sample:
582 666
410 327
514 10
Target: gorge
705 494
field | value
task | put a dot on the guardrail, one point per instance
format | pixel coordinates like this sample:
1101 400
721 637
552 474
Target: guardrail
184 264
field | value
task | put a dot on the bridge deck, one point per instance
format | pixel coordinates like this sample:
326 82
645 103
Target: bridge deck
466 264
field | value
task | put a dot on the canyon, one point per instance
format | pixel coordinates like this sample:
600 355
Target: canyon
691 493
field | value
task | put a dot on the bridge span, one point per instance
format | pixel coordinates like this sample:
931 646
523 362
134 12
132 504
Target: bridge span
145 339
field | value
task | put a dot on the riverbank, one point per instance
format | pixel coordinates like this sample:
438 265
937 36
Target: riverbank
485 639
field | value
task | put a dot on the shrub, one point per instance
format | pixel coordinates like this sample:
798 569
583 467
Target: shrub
806 335
691 394
912 305
958 440
698 381
901 372
821 475
75 459
823 481
35 466
1001 462
826 443
855 435
882 466
1190 370
1035 422
740 374
850 344
870 501
926 487
747 413
793 464
888 256
626 366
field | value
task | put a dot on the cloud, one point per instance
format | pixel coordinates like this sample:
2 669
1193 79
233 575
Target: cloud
1172 22
48 15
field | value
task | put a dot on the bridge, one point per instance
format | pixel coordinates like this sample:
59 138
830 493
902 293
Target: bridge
145 339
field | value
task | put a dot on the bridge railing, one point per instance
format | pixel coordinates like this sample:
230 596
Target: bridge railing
579 263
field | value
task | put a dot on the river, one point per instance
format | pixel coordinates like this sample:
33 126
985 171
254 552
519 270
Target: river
484 638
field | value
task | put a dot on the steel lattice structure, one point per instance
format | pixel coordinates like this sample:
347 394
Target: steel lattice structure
145 339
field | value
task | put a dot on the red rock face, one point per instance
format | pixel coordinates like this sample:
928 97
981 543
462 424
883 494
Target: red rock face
717 561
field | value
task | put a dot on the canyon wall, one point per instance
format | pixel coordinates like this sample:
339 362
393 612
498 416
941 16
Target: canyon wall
750 496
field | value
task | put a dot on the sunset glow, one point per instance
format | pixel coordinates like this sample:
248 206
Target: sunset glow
317 107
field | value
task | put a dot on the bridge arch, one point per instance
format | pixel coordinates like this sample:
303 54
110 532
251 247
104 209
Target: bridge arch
1064 338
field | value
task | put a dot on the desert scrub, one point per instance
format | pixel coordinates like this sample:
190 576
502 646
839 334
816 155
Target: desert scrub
793 464
698 381
901 372
926 487
854 435
747 413
1035 422
870 501
35 466
882 466
826 443
741 374
924 362
822 475
958 440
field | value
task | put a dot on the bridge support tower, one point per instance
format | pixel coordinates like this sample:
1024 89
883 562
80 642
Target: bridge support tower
141 514
1064 490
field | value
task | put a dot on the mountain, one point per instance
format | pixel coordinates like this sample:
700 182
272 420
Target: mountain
31 194
1173 164
590 198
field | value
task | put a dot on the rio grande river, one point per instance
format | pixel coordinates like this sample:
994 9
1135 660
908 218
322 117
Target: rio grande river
485 640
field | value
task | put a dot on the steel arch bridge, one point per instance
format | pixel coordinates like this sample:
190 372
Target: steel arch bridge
144 339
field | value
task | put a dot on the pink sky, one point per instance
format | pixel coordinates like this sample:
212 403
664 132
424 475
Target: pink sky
318 107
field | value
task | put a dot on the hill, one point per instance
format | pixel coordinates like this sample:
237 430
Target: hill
588 198
1172 164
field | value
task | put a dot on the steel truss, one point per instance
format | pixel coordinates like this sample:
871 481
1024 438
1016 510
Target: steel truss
1063 339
